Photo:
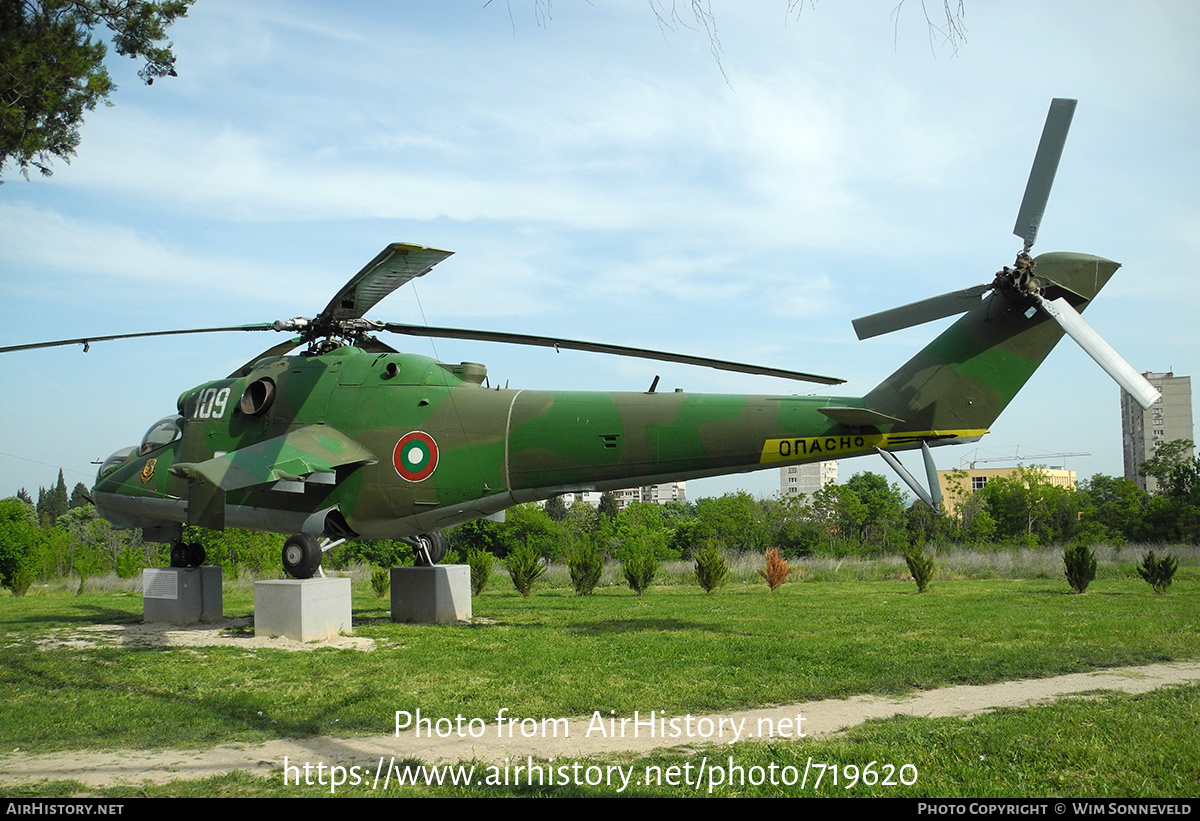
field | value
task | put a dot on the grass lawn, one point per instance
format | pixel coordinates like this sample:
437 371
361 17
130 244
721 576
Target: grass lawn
675 650
1107 746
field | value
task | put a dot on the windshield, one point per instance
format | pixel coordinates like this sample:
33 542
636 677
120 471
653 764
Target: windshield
114 461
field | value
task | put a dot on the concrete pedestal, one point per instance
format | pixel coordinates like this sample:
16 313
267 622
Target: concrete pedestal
431 595
181 595
302 609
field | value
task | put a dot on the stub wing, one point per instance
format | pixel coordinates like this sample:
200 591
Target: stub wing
305 455
298 455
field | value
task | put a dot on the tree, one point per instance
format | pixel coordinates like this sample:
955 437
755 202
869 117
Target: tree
1176 470
1173 514
20 540
734 521
79 496
947 25
884 520
1027 507
478 534
52 69
556 508
839 510
608 506
53 503
1115 504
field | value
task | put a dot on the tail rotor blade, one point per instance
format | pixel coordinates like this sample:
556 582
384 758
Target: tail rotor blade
1045 166
918 313
1106 357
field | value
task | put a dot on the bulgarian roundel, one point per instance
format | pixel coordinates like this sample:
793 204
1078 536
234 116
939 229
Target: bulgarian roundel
415 456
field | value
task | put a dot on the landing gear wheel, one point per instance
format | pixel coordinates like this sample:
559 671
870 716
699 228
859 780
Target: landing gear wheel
196 554
301 556
181 554
433 546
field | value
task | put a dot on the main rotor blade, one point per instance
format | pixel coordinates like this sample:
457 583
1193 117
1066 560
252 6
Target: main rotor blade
395 265
85 341
918 313
275 350
1045 166
596 347
1106 357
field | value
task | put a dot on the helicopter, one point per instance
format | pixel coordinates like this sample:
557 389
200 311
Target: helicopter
353 439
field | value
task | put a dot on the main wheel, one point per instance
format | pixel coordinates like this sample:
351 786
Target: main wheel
196 554
435 545
181 554
301 556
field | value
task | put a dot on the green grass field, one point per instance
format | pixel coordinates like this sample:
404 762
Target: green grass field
676 650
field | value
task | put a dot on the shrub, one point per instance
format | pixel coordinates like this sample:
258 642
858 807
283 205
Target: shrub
22 580
1158 572
524 567
131 562
712 571
777 569
639 564
920 565
480 562
1080 562
381 581
586 563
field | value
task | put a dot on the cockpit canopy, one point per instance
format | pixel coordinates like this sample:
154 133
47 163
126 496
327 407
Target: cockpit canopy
161 433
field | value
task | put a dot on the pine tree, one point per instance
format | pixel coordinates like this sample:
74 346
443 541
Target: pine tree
79 496
556 508
53 503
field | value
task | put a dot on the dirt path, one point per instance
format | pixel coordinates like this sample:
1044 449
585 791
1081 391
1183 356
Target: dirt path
582 737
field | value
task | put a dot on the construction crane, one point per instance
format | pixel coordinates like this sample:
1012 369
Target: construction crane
1016 457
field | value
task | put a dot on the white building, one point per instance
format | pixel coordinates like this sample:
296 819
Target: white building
807 479
656 494
1142 431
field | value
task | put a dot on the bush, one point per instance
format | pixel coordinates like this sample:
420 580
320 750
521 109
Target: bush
777 569
639 564
1080 562
712 571
22 580
586 563
131 562
1158 572
480 562
381 580
920 565
524 567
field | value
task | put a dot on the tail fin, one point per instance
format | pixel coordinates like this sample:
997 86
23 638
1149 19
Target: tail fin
969 374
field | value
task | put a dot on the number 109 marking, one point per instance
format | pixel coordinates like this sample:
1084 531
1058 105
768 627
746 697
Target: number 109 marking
212 403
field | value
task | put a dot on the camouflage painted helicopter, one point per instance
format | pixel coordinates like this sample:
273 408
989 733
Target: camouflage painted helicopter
353 439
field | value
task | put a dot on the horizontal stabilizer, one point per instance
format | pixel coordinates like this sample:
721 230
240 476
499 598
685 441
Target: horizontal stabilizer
859 417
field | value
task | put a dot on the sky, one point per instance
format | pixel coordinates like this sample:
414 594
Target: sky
603 176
